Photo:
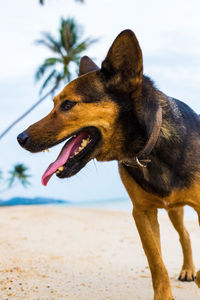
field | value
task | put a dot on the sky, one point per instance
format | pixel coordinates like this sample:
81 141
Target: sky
168 33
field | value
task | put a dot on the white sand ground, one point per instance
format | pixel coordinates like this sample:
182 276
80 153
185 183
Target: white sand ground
81 254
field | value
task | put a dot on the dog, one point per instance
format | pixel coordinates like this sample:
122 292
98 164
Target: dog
116 113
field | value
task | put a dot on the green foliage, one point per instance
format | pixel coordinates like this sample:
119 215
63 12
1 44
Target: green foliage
67 50
18 173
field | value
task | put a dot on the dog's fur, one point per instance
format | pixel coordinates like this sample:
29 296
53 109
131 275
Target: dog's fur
122 103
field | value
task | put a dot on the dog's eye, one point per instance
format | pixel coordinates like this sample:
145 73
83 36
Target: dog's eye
67 105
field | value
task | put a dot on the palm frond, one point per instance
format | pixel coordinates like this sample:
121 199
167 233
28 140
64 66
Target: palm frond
79 48
89 41
48 80
11 181
19 173
70 33
66 37
53 60
59 78
40 72
49 62
68 48
46 44
49 42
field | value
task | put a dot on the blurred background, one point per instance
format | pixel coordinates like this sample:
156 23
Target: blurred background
41 45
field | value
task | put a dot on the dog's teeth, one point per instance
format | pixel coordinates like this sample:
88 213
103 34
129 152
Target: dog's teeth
45 150
84 143
61 169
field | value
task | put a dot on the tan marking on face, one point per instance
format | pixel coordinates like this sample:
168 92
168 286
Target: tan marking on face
103 114
69 93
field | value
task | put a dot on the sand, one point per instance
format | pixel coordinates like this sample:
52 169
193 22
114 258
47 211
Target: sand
83 254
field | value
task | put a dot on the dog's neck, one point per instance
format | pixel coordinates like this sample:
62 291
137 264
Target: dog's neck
168 167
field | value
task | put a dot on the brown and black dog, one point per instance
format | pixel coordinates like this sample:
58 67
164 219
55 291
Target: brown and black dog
116 113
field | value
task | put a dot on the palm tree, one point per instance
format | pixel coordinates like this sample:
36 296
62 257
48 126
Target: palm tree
67 50
19 173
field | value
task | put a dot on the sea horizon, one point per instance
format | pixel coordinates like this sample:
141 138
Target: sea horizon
115 204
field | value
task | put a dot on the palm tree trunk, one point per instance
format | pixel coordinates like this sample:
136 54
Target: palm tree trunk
27 112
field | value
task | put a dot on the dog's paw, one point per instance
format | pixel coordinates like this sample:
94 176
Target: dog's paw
187 275
197 279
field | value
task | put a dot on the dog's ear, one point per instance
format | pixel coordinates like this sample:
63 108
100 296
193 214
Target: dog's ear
123 67
87 65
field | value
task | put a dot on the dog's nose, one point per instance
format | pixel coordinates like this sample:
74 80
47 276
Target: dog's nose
23 138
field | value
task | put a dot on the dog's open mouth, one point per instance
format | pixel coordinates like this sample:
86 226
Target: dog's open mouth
74 155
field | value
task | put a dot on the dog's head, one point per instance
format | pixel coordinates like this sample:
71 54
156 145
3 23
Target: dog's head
96 112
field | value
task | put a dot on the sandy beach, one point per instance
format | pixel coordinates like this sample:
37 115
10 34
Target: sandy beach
84 254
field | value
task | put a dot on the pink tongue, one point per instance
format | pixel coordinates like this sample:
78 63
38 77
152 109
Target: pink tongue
62 158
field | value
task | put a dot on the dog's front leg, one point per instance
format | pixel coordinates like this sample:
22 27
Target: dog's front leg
147 224
160 278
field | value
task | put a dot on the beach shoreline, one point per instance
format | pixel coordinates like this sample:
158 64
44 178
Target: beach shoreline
84 254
